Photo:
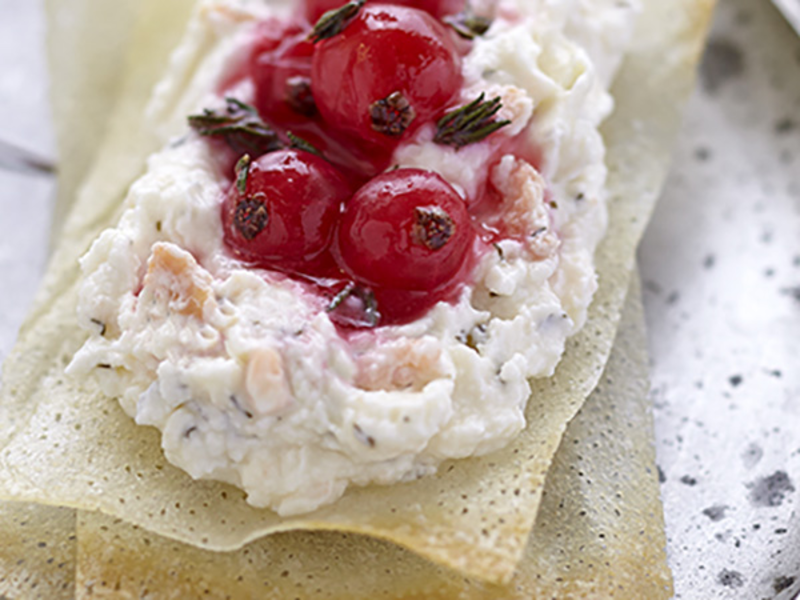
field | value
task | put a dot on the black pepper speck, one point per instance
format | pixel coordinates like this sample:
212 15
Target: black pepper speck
688 480
736 380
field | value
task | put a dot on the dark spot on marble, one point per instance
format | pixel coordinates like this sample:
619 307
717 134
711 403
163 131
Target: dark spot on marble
723 61
796 261
652 286
673 298
709 261
715 513
781 531
766 237
793 292
782 583
784 126
769 273
752 455
770 491
702 154
662 478
776 373
735 380
731 579
688 480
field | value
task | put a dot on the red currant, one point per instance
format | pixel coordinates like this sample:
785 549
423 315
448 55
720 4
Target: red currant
405 229
287 212
283 79
391 69
314 9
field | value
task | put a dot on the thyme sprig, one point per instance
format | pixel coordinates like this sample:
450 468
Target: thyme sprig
367 297
334 21
242 171
298 143
239 125
470 123
467 24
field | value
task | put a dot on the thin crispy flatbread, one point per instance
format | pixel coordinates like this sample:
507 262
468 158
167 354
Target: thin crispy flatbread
37 553
475 516
599 532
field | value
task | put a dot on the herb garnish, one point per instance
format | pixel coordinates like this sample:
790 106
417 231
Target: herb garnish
334 21
242 171
239 125
467 24
367 298
470 123
101 325
298 143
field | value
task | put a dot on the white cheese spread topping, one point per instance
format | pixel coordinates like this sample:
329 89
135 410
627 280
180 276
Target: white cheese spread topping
243 371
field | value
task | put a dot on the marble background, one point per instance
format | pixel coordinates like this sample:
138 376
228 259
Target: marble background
721 266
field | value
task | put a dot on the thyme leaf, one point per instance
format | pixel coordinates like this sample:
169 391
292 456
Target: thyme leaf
471 123
242 171
239 125
298 143
467 24
370 313
334 21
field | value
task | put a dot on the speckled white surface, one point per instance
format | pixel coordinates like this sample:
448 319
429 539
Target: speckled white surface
25 199
721 263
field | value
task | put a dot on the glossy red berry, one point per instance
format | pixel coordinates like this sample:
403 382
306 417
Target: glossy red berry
282 76
285 212
389 71
314 9
406 229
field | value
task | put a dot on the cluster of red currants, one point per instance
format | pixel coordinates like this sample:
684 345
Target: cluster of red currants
350 89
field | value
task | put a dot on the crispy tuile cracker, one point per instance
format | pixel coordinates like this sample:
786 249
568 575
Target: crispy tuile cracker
599 532
90 455
37 552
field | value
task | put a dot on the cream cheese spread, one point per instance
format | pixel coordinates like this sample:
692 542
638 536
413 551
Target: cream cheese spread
243 371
